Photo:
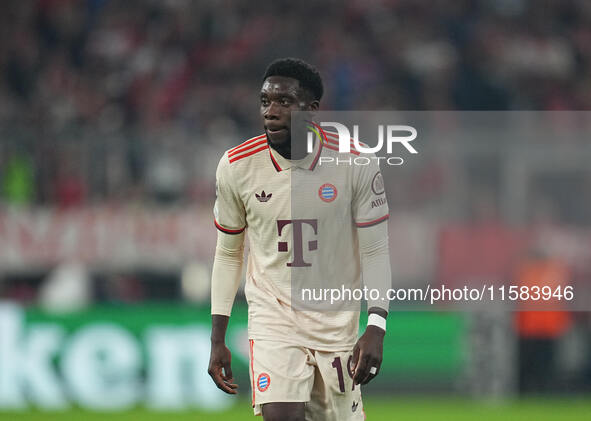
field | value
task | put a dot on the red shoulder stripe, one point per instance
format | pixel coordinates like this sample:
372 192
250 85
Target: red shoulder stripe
335 148
326 132
250 152
336 136
248 147
335 142
247 142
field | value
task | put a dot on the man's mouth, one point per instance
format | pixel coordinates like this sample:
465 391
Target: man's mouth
275 130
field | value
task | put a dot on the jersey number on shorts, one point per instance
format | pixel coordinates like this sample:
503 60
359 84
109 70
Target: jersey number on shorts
336 363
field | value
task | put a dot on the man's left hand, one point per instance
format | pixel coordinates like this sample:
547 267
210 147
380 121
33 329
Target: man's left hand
368 353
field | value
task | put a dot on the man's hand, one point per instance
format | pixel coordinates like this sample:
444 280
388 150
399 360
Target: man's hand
220 360
220 368
367 354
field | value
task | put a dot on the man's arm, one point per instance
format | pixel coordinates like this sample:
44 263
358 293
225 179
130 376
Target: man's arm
225 280
375 266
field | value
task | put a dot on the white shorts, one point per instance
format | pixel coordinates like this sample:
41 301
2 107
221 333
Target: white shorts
281 372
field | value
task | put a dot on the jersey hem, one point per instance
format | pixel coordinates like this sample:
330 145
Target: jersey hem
309 345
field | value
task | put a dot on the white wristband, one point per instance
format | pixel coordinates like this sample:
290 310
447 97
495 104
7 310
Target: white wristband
376 320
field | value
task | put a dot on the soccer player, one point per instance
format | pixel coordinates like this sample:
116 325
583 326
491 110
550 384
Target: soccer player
308 221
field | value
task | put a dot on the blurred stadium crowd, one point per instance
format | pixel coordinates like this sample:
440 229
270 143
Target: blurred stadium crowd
103 100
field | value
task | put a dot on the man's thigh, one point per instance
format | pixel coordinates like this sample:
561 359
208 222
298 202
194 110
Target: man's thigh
284 411
280 373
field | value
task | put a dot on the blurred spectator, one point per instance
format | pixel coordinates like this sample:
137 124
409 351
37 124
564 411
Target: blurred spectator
18 180
123 288
166 178
70 189
540 331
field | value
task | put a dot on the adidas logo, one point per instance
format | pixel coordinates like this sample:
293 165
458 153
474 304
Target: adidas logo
263 197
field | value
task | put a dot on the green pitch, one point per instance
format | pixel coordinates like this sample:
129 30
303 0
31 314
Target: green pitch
376 409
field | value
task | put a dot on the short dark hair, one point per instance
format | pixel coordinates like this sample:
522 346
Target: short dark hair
303 72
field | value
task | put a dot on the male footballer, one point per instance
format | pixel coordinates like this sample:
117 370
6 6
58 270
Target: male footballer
304 365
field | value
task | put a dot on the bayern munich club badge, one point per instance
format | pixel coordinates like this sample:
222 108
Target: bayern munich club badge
327 192
263 382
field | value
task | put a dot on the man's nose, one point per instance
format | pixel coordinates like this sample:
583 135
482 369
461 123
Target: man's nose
272 111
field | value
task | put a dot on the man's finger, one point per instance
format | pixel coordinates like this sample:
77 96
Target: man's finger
373 363
227 387
227 371
222 384
378 367
364 377
231 385
362 369
355 359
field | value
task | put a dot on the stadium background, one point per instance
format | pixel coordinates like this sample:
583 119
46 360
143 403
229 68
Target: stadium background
113 117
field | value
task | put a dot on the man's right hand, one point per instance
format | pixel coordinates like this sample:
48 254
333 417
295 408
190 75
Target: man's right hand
220 368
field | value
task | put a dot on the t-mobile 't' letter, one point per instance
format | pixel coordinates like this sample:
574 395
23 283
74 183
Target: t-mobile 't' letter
298 243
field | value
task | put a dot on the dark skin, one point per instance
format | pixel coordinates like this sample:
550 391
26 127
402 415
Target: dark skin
279 97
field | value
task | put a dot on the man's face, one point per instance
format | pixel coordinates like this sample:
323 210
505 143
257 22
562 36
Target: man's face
279 97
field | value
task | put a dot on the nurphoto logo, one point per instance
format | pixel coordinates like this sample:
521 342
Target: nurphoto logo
388 136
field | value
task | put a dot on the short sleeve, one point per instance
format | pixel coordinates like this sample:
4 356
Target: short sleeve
370 206
229 213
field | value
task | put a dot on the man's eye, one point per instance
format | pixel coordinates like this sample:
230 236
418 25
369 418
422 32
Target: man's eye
264 101
285 101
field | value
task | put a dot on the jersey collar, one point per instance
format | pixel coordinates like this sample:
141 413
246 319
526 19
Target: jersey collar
308 163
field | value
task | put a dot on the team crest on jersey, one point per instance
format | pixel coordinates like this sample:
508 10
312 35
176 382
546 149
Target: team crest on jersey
263 382
327 192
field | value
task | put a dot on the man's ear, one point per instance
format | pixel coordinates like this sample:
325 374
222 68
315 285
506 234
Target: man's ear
314 105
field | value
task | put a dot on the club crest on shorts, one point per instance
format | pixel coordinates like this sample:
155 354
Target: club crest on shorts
327 192
263 382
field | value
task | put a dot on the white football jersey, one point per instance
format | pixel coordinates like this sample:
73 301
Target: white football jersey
301 218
